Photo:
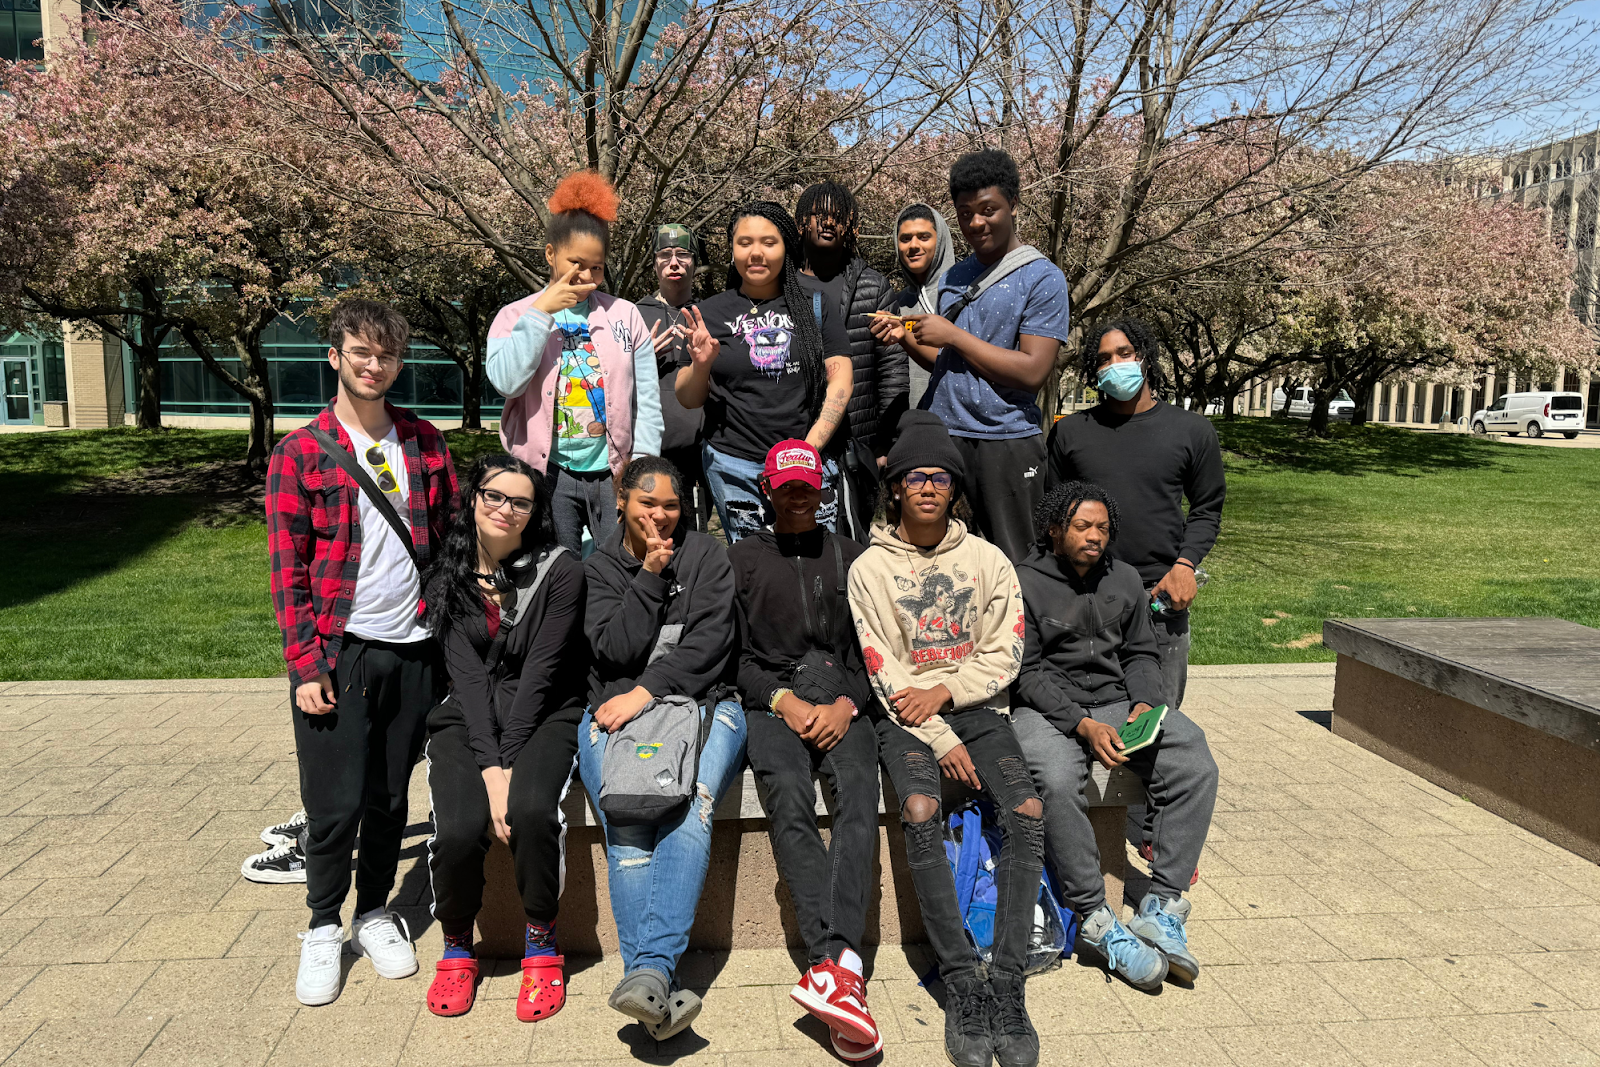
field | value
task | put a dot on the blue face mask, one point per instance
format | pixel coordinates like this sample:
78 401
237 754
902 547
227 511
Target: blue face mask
1121 381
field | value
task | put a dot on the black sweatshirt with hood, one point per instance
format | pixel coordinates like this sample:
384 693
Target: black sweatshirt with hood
673 632
1089 639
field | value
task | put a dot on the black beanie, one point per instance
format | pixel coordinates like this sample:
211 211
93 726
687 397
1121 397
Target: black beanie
922 441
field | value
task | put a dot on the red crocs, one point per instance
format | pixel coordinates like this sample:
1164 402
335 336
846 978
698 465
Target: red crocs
455 985
544 987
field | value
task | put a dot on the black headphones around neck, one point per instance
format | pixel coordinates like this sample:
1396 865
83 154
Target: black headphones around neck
504 579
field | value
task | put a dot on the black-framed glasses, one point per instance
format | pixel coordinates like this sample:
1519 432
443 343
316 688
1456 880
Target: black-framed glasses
520 505
380 465
941 480
385 363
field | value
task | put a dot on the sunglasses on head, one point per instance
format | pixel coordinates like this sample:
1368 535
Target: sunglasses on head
941 480
386 478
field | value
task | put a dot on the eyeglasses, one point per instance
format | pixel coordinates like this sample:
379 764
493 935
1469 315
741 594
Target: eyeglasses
385 363
520 505
941 480
667 255
386 478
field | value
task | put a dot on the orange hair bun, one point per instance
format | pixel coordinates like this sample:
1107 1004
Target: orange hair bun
585 190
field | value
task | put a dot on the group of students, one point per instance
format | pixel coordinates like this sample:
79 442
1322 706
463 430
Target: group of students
984 633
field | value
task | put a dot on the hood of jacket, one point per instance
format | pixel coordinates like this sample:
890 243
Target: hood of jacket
924 297
888 537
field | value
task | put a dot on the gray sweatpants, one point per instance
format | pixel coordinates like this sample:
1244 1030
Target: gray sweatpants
1178 772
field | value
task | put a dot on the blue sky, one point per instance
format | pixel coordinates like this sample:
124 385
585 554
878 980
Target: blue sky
1577 113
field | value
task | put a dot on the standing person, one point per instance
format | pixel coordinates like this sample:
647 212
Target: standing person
801 673
506 603
346 590
939 617
1089 667
765 365
577 368
830 223
922 248
1002 319
660 622
1155 455
677 255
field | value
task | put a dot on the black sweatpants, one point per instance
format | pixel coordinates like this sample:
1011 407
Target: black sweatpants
355 771
992 746
463 830
830 886
1005 482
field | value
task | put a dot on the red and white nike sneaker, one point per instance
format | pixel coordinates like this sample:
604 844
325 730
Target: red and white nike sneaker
846 1049
838 997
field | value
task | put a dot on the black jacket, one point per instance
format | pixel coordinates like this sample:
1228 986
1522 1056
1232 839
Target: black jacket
1089 640
630 610
541 670
680 425
771 572
880 375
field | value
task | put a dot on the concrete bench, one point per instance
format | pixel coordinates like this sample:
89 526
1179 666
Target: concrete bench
745 903
1505 712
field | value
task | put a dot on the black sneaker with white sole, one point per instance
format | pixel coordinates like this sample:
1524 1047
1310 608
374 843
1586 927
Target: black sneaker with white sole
285 863
285 833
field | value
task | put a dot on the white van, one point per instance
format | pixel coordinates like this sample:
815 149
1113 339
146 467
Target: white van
1340 409
1534 414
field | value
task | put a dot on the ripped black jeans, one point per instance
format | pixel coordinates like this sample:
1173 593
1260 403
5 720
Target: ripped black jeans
992 746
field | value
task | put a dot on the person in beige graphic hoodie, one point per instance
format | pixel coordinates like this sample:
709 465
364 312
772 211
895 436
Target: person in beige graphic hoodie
938 612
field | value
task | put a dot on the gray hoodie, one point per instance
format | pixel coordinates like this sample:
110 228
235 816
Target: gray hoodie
924 298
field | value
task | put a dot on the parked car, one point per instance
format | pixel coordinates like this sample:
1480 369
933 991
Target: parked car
1534 414
1340 409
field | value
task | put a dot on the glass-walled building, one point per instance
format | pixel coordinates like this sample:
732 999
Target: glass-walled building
33 372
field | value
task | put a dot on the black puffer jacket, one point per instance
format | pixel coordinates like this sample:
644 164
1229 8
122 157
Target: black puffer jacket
881 377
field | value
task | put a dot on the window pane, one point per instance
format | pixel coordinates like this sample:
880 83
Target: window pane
8 32
30 27
1566 403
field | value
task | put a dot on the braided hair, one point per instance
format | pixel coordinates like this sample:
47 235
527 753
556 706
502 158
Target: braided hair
1145 346
834 201
1063 502
807 342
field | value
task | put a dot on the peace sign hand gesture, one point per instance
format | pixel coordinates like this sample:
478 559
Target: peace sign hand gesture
703 348
563 293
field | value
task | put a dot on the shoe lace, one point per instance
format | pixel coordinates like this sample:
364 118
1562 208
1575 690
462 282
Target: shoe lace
1119 937
322 951
972 1012
1171 925
385 930
1010 1017
850 984
277 852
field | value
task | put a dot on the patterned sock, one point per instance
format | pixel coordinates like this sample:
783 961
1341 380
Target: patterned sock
541 939
459 946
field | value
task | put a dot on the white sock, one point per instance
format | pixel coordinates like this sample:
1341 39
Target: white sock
851 962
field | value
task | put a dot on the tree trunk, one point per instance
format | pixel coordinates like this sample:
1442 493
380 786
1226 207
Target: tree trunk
1228 405
1363 399
258 381
1319 412
147 375
472 389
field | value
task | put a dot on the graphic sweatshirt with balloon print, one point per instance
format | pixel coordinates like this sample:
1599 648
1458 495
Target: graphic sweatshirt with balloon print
949 615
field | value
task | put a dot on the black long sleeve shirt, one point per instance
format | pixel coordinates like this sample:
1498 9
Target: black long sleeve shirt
770 570
1149 463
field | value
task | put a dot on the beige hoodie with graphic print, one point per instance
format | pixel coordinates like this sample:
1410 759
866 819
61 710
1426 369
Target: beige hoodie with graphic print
949 615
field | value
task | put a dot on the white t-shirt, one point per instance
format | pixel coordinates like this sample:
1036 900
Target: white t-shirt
384 606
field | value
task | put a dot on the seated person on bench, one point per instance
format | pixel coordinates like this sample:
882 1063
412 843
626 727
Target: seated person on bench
1090 665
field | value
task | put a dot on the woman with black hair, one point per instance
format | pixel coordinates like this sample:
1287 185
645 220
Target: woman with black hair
506 604
769 360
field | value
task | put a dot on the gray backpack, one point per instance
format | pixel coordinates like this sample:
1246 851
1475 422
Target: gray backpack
648 773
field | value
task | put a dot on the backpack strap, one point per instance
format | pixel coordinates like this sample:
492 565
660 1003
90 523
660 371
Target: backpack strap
541 570
347 463
971 855
1010 263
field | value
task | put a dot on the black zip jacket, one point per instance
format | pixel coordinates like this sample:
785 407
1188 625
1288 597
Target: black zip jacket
882 380
680 425
772 572
541 670
1089 640
688 608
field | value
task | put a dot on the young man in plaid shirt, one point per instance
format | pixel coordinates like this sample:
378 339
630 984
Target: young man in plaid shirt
361 667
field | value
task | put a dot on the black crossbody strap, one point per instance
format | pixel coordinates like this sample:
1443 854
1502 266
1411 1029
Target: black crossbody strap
348 464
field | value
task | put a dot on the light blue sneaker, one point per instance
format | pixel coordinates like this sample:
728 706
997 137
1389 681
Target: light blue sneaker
1126 956
1160 923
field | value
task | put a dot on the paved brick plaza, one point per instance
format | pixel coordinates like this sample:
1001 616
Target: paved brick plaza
1348 913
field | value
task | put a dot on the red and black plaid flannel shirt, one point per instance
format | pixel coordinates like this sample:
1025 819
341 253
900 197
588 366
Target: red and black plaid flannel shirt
314 531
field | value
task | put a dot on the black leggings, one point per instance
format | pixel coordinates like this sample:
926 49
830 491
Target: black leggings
463 830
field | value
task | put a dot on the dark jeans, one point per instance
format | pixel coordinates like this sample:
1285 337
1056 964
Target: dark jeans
1004 483
355 771
1172 640
579 500
858 496
992 746
829 885
463 829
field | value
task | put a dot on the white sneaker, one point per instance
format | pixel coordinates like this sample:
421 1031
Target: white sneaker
318 979
378 935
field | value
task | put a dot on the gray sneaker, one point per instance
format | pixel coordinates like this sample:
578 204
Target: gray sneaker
1160 923
1130 959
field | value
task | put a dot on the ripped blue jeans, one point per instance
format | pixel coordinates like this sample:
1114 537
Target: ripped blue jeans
735 486
656 872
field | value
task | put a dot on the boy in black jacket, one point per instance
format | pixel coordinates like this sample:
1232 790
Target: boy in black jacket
1089 665
794 612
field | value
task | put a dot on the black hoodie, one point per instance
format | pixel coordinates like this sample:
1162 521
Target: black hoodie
1089 639
687 608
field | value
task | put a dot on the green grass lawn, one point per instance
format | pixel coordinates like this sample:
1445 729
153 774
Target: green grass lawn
143 555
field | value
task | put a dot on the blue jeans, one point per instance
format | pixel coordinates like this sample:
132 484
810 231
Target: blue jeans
735 486
656 872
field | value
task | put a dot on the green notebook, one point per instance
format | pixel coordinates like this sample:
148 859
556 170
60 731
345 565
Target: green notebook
1142 731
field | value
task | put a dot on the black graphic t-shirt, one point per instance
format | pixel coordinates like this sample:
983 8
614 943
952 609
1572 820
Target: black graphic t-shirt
758 395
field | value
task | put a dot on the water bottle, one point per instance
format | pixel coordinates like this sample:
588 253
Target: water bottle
1160 605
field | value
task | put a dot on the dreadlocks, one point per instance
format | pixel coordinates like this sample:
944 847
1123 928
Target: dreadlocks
1062 502
807 330
832 200
1144 343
